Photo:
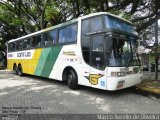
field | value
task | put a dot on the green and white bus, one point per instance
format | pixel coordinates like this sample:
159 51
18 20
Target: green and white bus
98 50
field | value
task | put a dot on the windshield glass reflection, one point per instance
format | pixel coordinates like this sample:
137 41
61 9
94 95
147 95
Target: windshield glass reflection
121 50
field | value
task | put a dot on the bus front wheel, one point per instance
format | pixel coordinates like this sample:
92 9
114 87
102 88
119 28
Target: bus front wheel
72 79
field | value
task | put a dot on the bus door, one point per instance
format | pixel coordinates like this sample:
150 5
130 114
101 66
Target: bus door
97 52
97 59
93 54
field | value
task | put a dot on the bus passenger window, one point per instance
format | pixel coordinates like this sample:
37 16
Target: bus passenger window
34 42
47 39
39 40
11 47
53 35
68 34
26 44
19 45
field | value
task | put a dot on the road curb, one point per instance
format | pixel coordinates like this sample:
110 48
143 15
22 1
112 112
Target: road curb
148 90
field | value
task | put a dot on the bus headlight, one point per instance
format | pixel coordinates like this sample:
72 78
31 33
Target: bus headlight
118 74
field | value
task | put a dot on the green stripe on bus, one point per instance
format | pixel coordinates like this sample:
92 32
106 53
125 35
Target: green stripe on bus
42 61
50 61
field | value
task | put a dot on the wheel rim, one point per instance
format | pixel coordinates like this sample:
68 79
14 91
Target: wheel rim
19 71
70 77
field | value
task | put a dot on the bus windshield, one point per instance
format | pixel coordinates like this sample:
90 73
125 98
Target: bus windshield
121 50
110 45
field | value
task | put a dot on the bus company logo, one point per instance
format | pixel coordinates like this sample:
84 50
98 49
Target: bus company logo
71 53
93 78
24 54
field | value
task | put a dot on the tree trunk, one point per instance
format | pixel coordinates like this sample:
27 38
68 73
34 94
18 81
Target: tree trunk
156 50
42 20
74 9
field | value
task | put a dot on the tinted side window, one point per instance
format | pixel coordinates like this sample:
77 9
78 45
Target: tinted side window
96 24
53 35
36 41
39 40
47 39
92 25
11 47
26 44
85 27
68 34
19 45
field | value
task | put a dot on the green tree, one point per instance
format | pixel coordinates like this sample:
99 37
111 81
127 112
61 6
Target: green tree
20 17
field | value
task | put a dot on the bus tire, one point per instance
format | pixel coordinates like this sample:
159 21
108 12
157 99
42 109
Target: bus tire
72 80
15 69
20 71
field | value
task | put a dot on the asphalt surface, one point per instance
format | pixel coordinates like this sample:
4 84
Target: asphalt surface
35 95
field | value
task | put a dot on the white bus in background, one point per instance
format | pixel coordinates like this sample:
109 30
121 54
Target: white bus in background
97 50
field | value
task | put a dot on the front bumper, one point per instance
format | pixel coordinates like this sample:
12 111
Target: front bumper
116 83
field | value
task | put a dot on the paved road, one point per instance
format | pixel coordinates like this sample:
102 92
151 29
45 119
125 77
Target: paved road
31 94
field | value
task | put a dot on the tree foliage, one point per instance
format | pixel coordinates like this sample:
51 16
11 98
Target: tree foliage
20 17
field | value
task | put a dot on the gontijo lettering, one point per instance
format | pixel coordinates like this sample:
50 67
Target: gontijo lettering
24 54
